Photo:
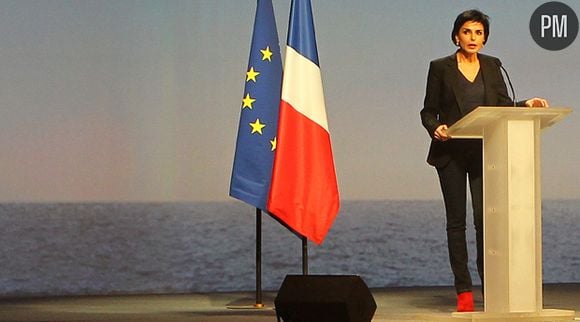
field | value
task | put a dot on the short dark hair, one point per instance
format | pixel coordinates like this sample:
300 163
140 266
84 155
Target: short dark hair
471 15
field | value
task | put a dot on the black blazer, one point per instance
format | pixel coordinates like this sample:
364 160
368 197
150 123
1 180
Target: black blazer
443 106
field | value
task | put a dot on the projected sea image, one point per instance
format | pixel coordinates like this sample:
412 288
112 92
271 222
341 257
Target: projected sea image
114 248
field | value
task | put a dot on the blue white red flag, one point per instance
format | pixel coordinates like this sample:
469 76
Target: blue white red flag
304 191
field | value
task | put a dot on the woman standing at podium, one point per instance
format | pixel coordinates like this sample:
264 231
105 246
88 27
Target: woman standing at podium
456 85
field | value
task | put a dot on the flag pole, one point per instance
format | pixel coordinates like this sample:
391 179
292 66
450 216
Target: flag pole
304 256
259 303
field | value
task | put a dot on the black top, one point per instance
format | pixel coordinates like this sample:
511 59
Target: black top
473 92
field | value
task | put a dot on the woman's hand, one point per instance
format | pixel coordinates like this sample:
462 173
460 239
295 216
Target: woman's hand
537 102
441 133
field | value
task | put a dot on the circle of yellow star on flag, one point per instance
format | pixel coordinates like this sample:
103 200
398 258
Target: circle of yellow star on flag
251 75
248 101
257 126
266 54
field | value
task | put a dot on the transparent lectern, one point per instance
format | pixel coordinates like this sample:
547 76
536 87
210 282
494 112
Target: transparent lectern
512 210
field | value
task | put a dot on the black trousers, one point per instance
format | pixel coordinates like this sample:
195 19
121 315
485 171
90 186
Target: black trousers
453 179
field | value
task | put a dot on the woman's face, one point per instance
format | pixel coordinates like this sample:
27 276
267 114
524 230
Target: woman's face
471 37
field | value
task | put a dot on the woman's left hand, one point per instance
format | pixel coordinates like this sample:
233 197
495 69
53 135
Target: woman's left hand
537 102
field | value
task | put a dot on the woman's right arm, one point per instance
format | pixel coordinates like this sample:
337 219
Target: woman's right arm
431 107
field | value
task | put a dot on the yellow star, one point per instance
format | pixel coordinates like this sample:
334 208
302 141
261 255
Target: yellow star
273 142
266 54
251 75
257 126
248 101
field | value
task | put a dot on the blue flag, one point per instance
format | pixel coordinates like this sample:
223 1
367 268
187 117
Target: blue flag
256 143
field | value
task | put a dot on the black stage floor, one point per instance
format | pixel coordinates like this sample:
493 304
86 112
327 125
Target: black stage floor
393 304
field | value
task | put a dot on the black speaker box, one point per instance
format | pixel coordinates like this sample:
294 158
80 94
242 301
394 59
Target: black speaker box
324 298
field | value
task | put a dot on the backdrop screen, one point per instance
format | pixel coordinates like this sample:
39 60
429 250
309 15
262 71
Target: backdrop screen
140 101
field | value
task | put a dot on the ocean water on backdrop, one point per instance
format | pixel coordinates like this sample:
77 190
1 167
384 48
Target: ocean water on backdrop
111 248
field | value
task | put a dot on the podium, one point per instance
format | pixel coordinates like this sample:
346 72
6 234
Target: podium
512 210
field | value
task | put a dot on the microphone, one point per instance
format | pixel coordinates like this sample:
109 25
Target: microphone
509 81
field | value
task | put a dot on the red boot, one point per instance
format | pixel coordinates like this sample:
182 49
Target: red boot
465 302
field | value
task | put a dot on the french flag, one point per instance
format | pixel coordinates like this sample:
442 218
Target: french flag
304 191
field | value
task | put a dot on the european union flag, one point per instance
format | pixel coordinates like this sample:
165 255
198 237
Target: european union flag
256 143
